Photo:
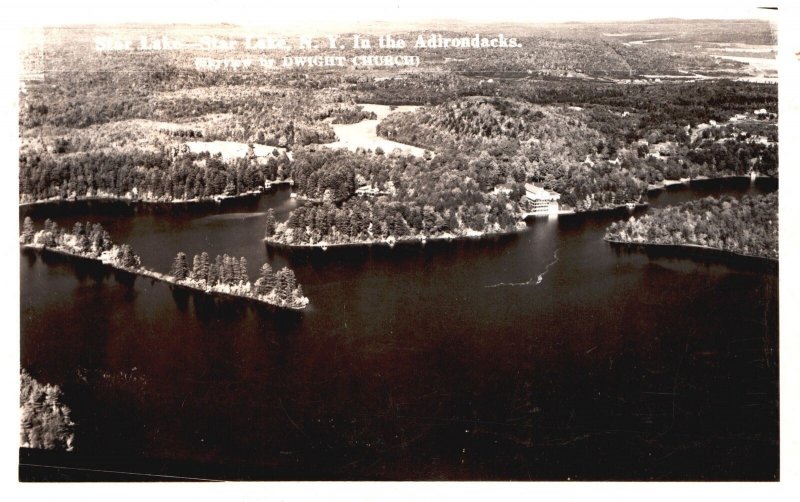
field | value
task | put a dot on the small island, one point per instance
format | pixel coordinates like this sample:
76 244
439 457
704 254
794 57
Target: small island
746 226
225 275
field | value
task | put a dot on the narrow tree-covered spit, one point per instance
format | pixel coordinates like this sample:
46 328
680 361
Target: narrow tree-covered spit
224 275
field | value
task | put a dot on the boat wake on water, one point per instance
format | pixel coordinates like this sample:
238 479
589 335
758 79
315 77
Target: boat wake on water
538 280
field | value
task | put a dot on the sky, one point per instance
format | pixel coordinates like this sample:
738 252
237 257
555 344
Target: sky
318 12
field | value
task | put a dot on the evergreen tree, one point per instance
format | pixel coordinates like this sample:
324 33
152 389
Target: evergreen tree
127 258
204 265
285 284
270 226
267 279
236 273
281 286
244 276
180 269
291 280
196 269
219 265
213 274
226 271
271 280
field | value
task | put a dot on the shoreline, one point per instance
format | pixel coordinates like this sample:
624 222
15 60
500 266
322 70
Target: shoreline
197 200
152 274
644 246
572 212
663 185
391 243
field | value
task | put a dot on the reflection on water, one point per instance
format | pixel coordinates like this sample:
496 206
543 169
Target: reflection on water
614 366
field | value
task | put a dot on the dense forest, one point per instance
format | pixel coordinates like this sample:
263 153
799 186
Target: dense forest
449 195
45 419
176 175
747 226
595 157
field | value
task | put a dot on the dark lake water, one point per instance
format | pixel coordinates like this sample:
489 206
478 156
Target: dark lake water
446 361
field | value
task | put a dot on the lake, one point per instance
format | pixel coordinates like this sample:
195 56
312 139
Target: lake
546 355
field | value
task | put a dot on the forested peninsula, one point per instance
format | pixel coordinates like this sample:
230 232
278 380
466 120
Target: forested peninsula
365 197
746 226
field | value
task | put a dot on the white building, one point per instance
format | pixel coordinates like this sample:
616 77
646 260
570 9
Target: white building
543 201
369 191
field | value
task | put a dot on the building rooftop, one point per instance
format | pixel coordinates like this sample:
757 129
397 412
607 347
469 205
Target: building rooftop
539 193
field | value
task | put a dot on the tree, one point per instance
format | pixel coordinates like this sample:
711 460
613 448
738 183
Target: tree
213 273
127 258
180 269
286 284
197 269
236 275
97 240
107 243
270 225
219 266
204 264
244 277
226 270
50 236
84 244
281 286
27 230
265 284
